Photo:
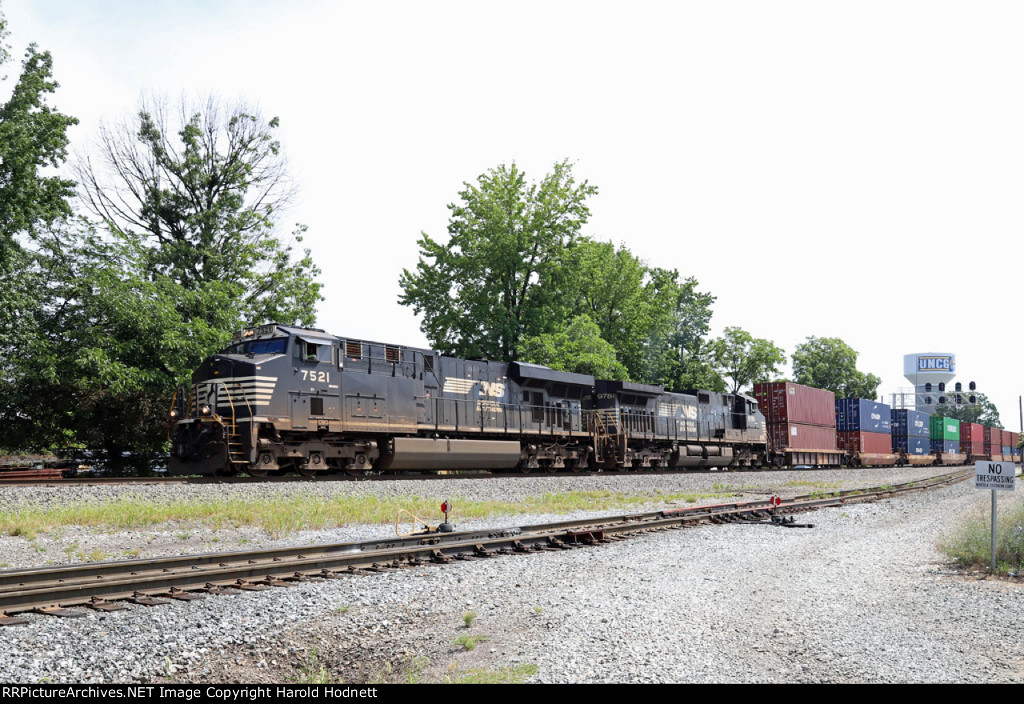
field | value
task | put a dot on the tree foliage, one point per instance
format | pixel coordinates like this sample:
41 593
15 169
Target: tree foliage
578 348
829 363
745 359
493 283
186 250
517 277
34 199
198 196
635 306
678 356
33 140
984 411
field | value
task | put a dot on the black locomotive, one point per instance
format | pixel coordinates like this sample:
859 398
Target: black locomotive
282 398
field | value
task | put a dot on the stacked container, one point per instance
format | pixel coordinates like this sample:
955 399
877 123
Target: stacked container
911 432
864 427
945 435
1009 445
972 439
993 443
798 417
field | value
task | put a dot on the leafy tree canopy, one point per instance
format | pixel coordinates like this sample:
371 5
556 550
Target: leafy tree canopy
185 252
518 277
678 355
33 139
984 411
829 363
744 359
491 285
198 196
579 348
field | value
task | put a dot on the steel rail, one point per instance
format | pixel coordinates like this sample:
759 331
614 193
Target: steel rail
55 588
391 476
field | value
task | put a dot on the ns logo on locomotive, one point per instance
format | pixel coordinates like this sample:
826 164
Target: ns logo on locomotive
283 399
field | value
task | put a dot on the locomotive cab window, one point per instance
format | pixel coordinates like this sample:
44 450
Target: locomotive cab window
315 351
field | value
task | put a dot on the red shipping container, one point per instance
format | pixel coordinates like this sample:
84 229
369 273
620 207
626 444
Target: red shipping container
972 448
796 436
991 434
786 402
868 443
972 432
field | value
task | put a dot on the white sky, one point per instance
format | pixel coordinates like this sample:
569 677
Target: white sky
837 169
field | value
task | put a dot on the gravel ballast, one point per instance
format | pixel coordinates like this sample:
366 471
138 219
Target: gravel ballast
864 596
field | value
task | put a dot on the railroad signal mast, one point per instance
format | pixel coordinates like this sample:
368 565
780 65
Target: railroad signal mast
931 374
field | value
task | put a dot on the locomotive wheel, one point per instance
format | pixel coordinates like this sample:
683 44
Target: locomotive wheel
256 472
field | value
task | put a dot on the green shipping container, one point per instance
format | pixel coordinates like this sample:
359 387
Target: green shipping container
945 428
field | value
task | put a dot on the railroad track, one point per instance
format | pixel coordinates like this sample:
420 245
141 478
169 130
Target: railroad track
62 590
427 476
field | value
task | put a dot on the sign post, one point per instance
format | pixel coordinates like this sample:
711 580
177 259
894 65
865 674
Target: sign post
997 476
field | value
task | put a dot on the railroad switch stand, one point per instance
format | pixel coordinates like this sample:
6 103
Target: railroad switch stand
785 521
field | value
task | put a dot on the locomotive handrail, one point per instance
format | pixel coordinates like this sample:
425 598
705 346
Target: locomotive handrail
473 413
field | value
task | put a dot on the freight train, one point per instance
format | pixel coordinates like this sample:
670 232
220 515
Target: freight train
283 399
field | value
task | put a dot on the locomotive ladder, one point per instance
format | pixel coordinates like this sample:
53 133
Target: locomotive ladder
605 419
236 443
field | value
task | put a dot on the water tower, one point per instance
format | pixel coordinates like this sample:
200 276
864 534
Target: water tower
929 372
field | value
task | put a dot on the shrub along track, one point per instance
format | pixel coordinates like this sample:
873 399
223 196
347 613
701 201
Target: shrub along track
101 585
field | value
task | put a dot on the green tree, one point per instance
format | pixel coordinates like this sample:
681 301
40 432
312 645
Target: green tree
744 359
198 197
829 363
33 141
984 411
34 200
491 285
679 356
186 252
578 348
113 342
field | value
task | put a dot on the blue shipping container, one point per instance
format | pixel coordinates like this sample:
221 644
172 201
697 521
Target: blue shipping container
1006 450
950 446
857 414
913 424
911 446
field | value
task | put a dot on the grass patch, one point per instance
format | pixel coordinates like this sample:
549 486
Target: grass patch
468 642
313 672
468 618
284 515
503 675
797 483
407 673
970 545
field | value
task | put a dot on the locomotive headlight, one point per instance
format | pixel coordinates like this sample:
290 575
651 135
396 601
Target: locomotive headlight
204 411
174 414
